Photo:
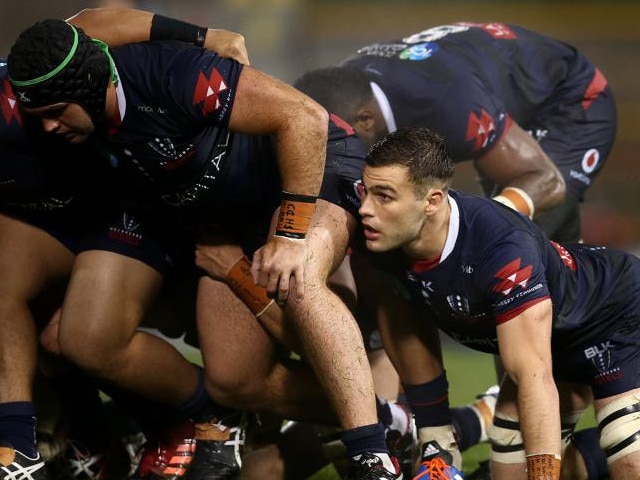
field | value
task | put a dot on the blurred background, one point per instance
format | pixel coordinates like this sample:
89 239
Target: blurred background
287 37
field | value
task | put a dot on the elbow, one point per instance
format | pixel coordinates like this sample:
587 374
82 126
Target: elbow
557 189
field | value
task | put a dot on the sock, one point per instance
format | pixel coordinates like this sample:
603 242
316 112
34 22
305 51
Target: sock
467 425
369 438
429 402
201 407
587 442
392 415
18 427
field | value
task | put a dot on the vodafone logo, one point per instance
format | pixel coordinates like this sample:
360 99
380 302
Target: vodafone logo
590 160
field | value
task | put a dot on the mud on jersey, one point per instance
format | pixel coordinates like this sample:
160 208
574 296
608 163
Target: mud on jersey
499 264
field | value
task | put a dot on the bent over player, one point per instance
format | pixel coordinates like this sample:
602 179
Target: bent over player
171 116
536 117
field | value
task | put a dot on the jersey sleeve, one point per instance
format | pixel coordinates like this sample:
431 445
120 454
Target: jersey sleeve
471 119
204 85
513 276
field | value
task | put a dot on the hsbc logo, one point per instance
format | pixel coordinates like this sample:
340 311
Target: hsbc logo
512 276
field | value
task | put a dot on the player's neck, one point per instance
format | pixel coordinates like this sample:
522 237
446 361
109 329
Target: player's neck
433 235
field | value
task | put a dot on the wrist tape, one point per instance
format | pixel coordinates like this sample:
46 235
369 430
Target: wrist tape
241 283
295 215
517 199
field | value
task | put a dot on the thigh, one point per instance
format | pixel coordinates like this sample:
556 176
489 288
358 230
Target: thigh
107 297
30 258
235 347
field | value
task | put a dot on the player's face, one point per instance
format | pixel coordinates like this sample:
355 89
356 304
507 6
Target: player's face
392 214
69 120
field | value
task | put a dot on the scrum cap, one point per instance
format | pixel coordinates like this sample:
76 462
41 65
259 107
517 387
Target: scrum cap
52 61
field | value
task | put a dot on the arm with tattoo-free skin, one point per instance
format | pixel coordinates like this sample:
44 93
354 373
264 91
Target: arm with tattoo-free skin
517 161
119 26
525 351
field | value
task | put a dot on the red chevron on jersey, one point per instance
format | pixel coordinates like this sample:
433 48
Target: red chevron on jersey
8 103
480 129
499 30
512 276
208 90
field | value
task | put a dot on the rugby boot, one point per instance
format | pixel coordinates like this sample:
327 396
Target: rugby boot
369 466
437 464
404 445
167 456
15 465
218 450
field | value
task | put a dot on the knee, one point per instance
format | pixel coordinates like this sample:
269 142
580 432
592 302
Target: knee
233 389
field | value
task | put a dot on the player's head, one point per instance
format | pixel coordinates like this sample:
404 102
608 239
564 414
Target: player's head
421 151
405 183
52 62
346 92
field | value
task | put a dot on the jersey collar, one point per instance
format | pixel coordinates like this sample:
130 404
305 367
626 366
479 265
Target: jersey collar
385 107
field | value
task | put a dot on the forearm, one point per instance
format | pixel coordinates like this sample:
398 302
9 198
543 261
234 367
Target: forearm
302 146
538 405
114 26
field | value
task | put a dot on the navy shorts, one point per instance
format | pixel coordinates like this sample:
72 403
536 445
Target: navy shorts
578 137
610 365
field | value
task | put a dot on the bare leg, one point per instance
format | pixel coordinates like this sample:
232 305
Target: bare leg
107 298
30 260
329 335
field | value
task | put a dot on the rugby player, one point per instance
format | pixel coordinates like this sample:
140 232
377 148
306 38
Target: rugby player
563 317
171 118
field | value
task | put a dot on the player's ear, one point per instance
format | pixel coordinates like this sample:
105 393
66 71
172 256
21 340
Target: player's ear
365 120
434 199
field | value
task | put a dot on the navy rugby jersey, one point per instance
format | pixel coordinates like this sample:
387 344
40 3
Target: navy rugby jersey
468 81
497 263
174 102
173 143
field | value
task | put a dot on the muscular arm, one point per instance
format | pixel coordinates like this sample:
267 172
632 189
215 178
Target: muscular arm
267 106
119 26
517 160
525 351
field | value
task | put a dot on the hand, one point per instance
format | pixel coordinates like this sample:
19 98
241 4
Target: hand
216 255
275 263
227 44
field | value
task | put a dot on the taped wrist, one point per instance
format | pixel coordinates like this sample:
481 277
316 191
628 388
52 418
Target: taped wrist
165 28
295 215
517 199
543 466
241 283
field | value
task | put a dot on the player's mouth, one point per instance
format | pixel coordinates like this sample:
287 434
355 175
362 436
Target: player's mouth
371 233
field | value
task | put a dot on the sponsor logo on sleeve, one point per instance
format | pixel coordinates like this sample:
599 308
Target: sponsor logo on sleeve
208 90
8 103
512 276
480 130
